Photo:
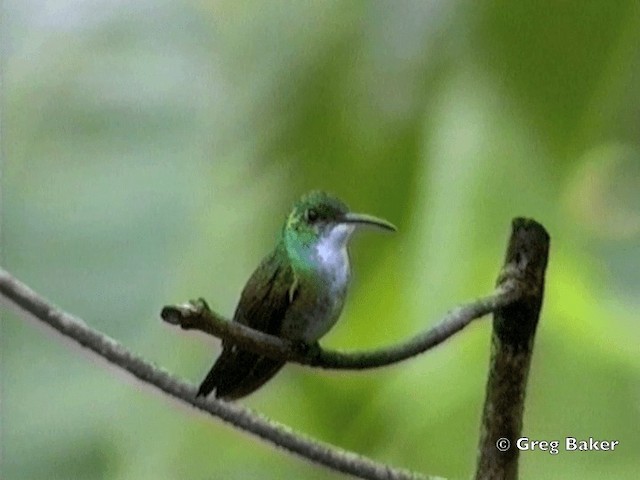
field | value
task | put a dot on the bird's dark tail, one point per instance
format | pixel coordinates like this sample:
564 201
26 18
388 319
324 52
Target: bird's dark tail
237 373
209 382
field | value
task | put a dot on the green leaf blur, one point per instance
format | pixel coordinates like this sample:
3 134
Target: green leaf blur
152 149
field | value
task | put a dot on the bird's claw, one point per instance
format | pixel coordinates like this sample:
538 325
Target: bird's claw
305 349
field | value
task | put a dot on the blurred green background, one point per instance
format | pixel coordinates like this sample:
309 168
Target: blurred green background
152 149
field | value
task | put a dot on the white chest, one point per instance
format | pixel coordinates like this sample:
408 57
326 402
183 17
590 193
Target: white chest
333 266
319 307
332 257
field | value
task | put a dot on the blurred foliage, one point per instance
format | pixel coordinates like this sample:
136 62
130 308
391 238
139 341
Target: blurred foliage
152 150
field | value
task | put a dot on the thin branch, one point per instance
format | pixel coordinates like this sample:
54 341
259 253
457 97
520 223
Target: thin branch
196 315
516 303
29 303
514 328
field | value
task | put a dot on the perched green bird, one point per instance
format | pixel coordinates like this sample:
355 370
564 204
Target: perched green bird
297 292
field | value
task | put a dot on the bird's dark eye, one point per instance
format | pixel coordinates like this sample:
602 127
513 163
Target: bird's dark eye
312 215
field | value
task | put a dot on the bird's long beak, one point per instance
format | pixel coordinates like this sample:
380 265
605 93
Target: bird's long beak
364 219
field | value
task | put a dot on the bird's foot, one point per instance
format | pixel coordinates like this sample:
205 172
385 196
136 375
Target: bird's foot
307 350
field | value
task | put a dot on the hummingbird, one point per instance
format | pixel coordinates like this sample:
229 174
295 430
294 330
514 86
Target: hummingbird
296 293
